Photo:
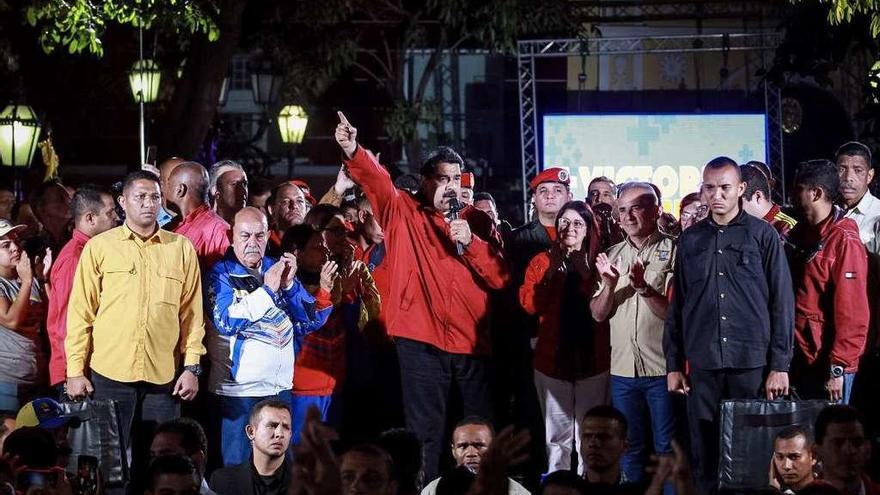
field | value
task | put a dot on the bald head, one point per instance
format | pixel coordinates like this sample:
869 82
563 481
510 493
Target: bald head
188 180
165 169
250 233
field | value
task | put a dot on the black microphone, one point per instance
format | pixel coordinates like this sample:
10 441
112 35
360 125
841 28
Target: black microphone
455 206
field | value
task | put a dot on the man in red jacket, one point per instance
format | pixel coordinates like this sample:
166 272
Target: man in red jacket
442 266
829 268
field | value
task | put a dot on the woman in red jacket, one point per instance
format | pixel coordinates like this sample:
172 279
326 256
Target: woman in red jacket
571 356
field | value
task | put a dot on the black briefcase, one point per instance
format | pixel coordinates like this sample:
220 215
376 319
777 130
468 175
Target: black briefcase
748 428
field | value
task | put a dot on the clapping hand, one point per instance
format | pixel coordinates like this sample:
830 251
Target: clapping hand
610 272
637 274
289 273
328 275
346 135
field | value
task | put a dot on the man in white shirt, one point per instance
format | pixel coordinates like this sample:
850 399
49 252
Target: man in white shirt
856 173
470 441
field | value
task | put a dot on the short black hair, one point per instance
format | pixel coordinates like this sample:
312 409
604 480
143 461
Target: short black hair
87 199
836 414
755 181
609 412
37 197
475 420
405 450
295 238
266 403
564 478
821 174
793 431
443 154
373 450
854 148
606 180
192 436
484 196
320 215
169 464
35 447
138 175
721 162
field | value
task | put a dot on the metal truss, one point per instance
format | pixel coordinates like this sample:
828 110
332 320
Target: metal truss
616 11
529 50
773 107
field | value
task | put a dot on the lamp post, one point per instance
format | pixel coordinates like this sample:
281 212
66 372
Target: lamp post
265 83
19 133
292 121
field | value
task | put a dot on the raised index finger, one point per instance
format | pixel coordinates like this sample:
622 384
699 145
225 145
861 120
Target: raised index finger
342 118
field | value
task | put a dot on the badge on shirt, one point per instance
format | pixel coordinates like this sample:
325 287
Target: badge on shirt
849 275
663 255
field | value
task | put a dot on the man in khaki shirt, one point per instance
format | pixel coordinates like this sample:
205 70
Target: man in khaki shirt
134 320
632 297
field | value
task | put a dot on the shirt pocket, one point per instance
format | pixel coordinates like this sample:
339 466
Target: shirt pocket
169 286
118 277
745 259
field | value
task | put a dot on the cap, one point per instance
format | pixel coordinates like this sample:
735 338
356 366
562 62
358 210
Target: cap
554 174
467 180
7 227
44 413
306 189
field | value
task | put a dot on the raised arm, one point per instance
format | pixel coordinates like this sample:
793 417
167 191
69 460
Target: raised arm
365 170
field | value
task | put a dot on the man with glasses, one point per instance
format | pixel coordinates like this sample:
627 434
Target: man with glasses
757 201
135 313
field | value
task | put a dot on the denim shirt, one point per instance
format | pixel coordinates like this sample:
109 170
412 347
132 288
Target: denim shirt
732 305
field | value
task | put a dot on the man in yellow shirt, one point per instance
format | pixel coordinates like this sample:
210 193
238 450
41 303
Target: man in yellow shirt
135 314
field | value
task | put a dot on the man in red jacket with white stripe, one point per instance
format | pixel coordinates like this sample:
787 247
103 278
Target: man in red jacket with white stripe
829 268
438 299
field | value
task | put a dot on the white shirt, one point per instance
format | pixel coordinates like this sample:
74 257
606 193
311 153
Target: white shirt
204 490
866 214
513 488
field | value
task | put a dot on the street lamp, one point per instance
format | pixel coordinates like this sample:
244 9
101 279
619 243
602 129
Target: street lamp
224 92
292 121
144 78
19 133
265 83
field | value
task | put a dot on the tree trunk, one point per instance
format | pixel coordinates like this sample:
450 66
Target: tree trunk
191 111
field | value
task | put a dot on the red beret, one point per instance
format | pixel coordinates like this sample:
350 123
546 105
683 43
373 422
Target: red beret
304 186
554 174
467 180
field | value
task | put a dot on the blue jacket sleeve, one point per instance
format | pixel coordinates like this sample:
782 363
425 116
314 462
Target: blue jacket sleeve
228 315
304 310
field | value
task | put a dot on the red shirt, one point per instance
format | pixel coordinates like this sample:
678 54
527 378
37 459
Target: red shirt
208 233
545 300
434 295
831 301
780 221
61 278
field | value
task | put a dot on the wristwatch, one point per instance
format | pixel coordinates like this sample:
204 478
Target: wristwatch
195 369
836 371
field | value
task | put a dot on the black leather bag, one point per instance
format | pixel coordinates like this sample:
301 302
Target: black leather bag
748 428
98 435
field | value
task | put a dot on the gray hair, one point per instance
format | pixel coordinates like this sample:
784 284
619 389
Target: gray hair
652 189
218 169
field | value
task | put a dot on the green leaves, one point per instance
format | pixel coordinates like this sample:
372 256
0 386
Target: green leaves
79 24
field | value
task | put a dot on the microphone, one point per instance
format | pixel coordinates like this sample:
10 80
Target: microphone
455 206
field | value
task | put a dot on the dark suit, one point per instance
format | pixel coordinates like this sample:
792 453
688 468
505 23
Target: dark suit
243 479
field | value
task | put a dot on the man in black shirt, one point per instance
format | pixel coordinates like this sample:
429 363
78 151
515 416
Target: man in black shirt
731 316
267 472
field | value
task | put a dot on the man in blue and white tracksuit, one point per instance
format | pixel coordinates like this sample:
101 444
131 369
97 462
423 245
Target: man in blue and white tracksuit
258 306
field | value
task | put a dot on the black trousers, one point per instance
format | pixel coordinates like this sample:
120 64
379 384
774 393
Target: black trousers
142 407
426 375
708 389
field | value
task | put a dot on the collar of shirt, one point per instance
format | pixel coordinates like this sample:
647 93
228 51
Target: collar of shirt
652 239
739 219
160 235
771 214
867 205
79 237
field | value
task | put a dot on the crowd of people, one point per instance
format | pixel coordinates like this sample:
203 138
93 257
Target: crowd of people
372 340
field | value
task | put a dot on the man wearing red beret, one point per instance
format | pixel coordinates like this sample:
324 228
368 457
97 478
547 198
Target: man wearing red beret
445 263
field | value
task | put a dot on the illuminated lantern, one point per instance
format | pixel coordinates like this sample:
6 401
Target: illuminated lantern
144 78
292 121
19 133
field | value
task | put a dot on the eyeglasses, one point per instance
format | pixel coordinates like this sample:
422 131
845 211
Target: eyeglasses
577 224
697 215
